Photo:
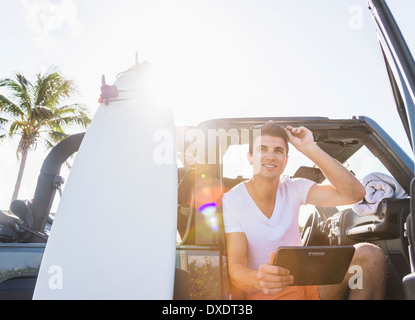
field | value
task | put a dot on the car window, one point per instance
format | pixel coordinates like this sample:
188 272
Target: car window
362 163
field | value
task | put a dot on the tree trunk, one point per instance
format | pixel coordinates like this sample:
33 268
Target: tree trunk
20 174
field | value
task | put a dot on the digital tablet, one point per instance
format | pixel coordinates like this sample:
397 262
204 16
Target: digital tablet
319 265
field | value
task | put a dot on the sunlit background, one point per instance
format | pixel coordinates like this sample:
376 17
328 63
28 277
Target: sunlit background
223 58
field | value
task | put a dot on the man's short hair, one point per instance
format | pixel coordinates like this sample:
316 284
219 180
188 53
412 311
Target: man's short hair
270 128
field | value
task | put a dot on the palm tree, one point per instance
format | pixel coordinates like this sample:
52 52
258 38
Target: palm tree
3 121
35 112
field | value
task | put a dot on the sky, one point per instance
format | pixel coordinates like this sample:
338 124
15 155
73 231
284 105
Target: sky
226 58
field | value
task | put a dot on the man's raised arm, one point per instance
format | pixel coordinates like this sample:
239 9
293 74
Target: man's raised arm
344 189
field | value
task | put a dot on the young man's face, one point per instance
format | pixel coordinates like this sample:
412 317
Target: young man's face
269 156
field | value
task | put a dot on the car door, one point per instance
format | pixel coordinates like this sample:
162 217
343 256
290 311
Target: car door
400 67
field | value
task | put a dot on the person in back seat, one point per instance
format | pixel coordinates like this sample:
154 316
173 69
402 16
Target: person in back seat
262 214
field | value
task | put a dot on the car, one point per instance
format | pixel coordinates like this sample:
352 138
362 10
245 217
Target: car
359 143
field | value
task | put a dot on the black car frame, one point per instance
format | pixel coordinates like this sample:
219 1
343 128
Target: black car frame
201 264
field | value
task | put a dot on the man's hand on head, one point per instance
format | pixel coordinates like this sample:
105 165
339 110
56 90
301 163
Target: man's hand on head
300 137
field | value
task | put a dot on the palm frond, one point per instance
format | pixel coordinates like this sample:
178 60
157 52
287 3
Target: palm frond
14 127
49 144
51 88
54 137
9 107
69 115
21 91
71 108
41 113
3 121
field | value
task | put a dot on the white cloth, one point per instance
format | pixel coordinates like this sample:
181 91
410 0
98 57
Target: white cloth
241 214
378 186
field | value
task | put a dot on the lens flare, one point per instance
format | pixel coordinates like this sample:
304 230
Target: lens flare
208 210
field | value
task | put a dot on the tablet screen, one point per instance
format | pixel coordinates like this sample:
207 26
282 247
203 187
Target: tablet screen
315 265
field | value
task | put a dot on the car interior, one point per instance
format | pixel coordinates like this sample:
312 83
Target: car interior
357 146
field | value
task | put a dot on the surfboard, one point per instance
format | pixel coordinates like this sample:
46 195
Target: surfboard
114 234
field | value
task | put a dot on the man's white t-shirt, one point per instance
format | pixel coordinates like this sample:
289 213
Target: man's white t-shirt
241 214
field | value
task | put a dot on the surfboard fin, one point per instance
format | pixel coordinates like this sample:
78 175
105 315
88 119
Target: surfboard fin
107 92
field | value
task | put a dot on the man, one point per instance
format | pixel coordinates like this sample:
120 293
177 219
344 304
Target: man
262 214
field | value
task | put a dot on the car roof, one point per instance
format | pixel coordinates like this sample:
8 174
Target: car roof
340 138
